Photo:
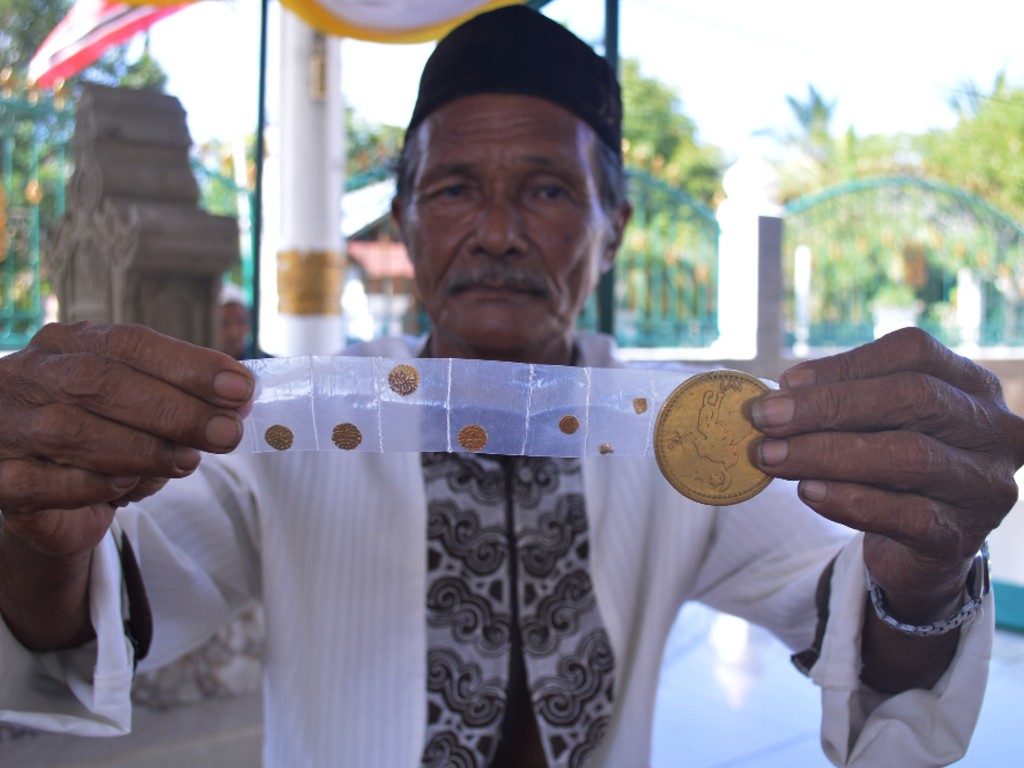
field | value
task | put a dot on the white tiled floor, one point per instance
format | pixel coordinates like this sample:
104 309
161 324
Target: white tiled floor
730 698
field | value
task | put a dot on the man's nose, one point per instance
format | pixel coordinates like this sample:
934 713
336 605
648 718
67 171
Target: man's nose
500 229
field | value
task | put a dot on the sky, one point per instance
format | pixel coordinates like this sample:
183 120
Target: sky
889 65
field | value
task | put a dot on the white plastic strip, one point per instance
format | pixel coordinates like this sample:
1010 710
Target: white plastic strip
387 405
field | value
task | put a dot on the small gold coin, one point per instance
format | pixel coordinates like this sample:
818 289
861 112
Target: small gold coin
346 436
606 449
403 379
473 437
704 435
569 424
279 437
640 405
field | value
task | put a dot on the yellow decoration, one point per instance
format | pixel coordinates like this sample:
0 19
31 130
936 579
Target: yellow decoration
332 17
33 193
319 16
309 282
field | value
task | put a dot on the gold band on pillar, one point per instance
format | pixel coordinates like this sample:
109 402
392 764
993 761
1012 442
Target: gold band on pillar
309 282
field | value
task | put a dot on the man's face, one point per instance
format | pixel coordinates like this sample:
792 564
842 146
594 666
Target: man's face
505 228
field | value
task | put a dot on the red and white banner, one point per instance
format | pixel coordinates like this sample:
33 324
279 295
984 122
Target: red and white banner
90 28
93 26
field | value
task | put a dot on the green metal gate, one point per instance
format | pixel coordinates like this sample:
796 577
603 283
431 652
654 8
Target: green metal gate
666 274
35 132
950 260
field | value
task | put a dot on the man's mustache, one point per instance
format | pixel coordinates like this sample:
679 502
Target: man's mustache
496 276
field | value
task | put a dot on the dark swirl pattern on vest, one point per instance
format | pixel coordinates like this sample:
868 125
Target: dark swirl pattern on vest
460 534
470 617
493 523
558 614
479 701
464 476
581 678
553 538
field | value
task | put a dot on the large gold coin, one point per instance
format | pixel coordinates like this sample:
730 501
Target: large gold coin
704 436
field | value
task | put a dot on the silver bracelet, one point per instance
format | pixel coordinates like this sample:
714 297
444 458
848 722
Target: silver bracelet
978 585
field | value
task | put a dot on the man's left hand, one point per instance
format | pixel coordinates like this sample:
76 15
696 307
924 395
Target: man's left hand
908 442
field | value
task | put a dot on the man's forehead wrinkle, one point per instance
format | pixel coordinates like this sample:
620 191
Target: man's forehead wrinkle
466 166
453 168
439 163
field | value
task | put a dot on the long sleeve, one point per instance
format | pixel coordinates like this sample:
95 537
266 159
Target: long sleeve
917 728
333 544
87 690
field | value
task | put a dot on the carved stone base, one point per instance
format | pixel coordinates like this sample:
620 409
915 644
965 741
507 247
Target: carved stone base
133 245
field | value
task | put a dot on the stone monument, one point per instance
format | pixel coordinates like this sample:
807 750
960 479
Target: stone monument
133 245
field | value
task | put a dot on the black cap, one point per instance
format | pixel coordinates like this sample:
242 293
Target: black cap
520 51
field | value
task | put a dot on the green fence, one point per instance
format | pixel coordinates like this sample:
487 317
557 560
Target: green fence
35 166
666 274
944 259
955 262
667 270
35 131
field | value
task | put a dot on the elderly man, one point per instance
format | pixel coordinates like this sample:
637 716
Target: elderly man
470 609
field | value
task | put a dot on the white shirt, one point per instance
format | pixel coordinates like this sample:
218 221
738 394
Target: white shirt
334 546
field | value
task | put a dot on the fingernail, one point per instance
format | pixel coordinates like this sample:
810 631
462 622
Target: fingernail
798 377
186 459
223 431
813 490
123 484
773 410
773 451
232 386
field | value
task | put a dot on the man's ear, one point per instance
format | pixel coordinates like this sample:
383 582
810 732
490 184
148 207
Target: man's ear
398 217
397 212
617 229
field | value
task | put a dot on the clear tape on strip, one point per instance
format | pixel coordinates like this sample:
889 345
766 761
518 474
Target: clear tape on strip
395 405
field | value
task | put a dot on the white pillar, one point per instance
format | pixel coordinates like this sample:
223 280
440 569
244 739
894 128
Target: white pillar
802 300
969 308
749 186
302 264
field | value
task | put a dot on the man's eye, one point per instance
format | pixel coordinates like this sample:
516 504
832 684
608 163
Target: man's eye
551 192
453 190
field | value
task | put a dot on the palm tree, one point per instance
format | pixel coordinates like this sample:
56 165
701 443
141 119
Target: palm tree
814 118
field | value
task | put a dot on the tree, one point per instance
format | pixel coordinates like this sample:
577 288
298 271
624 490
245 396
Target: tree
145 73
665 270
370 149
36 134
811 158
25 24
814 118
984 152
662 140
910 237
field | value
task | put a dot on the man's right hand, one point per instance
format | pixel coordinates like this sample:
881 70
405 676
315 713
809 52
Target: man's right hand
96 416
